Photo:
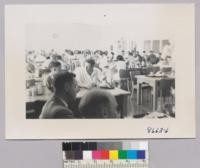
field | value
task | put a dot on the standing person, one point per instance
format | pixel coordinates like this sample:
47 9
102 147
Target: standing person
58 106
167 50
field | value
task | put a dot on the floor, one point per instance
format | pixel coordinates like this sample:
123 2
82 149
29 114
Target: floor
139 111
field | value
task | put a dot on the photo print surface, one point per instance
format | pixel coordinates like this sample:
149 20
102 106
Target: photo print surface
94 69
119 70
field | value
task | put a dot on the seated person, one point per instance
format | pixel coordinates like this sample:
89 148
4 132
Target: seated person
98 104
152 59
55 68
65 90
88 76
64 66
46 63
120 64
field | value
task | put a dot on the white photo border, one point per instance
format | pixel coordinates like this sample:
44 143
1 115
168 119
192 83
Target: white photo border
182 21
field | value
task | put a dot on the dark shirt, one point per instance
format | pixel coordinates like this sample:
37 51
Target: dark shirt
152 59
55 107
49 83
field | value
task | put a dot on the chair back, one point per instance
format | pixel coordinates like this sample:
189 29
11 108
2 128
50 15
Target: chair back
133 74
124 79
123 74
166 70
152 69
165 87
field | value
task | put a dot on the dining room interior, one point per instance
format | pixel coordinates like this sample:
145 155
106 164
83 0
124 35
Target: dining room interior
136 69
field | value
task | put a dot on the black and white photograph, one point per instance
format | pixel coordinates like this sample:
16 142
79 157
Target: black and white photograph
126 67
99 70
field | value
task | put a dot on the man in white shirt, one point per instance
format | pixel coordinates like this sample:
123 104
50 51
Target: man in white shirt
88 76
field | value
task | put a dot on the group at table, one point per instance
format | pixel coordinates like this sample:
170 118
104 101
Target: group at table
89 78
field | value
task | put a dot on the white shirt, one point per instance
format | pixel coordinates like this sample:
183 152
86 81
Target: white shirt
45 65
103 62
86 80
120 65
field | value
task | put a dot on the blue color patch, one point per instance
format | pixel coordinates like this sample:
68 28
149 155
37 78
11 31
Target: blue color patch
141 154
131 154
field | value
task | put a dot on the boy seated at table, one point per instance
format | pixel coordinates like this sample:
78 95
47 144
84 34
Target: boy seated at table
88 76
62 103
55 68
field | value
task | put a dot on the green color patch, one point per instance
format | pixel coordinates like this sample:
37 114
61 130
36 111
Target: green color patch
122 154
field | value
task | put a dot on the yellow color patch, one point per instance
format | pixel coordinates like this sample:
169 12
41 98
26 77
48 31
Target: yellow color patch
113 154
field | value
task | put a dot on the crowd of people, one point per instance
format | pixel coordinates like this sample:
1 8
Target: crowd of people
71 70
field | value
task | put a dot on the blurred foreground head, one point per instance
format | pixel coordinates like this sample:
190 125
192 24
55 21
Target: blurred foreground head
98 103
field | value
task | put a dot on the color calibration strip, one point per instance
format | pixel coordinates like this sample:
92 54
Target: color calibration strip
105 154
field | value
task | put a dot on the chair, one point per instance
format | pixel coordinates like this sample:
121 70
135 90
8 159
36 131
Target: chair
152 69
166 70
124 79
166 98
134 80
146 89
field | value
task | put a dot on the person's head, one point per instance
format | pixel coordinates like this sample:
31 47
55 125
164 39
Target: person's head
65 84
123 52
55 67
30 68
106 52
130 53
98 104
137 53
120 58
112 53
151 52
54 57
89 64
58 57
48 57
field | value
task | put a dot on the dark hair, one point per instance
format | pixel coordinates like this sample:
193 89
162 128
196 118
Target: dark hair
94 102
77 52
120 58
54 64
58 57
61 79
91 61
105 52
130 53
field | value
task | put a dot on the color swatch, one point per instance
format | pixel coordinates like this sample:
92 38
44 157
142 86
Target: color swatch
104 150
105 154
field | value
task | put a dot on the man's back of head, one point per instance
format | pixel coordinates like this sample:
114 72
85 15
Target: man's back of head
65 83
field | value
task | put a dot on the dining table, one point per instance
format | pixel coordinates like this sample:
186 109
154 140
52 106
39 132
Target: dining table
120 95
154 82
